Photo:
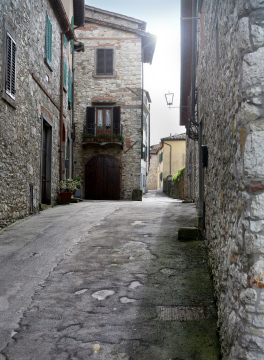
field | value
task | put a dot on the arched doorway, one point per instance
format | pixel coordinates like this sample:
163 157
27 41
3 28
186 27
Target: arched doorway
102 178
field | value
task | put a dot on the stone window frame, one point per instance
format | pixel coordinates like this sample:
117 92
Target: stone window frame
8 30
95 75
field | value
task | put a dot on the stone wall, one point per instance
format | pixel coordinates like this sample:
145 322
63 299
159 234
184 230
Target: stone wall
122 90
230 80
152 175
37 98
174 189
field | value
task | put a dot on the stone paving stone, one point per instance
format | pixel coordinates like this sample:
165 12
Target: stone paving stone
103 300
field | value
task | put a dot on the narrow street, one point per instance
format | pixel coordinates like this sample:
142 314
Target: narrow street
106 280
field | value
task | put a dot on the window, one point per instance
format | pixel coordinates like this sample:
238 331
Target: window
48 41
70 89
103 120
104 62
160 176
10 66
160 157
64 74
9 63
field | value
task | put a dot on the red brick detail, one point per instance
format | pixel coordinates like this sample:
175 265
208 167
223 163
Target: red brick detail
257 188
45 111
254 182
128 143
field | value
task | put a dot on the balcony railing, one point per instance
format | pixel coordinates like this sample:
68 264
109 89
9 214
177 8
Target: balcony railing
103 136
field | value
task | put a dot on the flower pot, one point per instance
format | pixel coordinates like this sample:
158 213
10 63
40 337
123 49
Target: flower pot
64 198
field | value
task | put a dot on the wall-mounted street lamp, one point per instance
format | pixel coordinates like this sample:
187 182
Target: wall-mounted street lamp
169 98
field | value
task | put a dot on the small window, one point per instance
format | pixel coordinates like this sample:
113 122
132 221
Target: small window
10 66
48 41
160 176
105 62
160 157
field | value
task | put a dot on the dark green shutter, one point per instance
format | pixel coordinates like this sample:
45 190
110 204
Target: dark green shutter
72 41
65 41
64 73
49 40
70 89
90 120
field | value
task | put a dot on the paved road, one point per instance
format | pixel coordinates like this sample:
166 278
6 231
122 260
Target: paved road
107 281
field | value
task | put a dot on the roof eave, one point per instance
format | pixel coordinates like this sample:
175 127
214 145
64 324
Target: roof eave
62 18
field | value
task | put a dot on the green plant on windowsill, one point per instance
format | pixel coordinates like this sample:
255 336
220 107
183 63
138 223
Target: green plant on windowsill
103 136
89 136
117 137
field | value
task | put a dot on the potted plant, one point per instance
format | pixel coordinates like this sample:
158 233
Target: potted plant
88 137
66 189
117 137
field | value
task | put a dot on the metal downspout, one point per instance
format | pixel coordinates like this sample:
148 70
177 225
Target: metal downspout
61 106
73 124
193 82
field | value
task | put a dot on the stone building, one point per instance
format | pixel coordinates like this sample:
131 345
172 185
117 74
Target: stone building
36 39
222 101
153 167
171 157
111 111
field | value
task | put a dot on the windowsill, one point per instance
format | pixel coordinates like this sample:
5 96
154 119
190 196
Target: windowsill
104 76
48 64
8 99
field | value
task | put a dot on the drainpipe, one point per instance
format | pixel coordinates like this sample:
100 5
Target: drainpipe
61 104
80 48
193 80
170 155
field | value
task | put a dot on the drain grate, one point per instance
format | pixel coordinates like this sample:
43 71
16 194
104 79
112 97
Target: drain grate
180 313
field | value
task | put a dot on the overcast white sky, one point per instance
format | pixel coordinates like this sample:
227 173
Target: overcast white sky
163 20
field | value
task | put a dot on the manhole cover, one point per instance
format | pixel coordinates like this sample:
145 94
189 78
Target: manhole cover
180 313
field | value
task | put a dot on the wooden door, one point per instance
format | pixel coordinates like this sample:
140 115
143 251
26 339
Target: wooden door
102 178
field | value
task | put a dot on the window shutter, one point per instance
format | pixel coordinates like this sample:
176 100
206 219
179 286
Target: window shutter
100 62
49 40
116 119
90 120
64 73
109 61
65 41
70 89
10 66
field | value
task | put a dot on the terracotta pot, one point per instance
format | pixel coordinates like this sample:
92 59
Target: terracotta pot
64 197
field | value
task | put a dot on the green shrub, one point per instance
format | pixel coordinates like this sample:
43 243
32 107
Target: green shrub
177 176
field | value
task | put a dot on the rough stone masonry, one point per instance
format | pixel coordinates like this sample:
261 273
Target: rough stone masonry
230 79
